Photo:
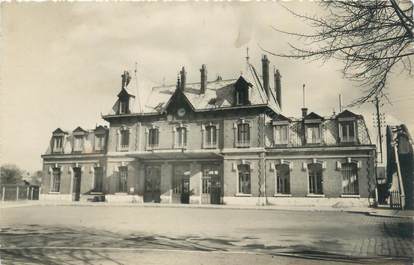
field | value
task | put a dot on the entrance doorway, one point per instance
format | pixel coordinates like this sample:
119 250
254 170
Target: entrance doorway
152 192
77 177
181 184
211 185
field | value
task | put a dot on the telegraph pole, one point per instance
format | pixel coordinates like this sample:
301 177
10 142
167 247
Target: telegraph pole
379 127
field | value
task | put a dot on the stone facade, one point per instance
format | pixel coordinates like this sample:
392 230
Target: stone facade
222 141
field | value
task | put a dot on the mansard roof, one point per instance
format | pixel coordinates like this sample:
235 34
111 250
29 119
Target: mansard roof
219 94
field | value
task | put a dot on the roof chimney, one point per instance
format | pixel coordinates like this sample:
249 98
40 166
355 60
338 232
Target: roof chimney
265 70
278 88
304 112
178 82
203 85
183 79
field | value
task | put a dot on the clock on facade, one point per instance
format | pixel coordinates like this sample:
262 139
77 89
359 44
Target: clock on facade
181 112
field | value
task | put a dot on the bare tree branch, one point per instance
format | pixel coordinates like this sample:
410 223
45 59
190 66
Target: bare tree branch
371 37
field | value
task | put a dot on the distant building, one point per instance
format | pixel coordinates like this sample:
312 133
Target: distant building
221 141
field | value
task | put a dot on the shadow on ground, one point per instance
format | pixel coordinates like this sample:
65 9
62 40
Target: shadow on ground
35 244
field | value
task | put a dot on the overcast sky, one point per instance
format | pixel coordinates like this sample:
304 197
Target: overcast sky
62 62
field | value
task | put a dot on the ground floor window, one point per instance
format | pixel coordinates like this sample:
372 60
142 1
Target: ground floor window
315 178
283 179
55 185
98 179
123 179
349 179
244 179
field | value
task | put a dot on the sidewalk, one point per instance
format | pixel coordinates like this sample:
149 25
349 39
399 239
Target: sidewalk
4 205
380 212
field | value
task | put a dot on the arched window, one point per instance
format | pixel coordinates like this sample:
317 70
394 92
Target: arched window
282 179
315 178
349 179
244 179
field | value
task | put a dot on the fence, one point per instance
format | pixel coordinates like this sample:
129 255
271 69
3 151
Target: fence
13 192
395 200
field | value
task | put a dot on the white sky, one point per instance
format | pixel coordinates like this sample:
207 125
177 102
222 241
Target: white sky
62 62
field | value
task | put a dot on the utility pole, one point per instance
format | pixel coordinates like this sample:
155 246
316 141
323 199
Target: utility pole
379 127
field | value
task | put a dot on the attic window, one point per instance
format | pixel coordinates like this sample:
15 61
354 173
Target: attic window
57 144
123 106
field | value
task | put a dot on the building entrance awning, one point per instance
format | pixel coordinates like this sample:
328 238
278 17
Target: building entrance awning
178 154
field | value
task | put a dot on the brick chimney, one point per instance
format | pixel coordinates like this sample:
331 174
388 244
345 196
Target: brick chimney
203 85
278 88
304 112
265 73
183 78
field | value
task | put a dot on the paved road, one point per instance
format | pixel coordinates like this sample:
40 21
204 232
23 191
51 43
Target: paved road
136 235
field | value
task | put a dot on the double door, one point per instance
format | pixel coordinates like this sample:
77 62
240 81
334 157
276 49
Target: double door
152 192
211 185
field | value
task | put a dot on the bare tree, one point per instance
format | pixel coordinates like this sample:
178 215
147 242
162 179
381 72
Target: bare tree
372 37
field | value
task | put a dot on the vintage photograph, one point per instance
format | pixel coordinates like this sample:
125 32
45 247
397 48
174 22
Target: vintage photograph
196 132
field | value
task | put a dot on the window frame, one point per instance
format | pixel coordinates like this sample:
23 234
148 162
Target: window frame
341 124
281 125
101 146
57 149
318 125
78 148
181 140
123 147
248 172
278 191
150 137
55 188
311 190
208 137
354 166
237 126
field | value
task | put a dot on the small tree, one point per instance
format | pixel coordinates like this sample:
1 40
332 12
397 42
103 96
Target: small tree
371 38
10 174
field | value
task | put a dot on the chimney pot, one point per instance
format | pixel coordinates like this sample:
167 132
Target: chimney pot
203 85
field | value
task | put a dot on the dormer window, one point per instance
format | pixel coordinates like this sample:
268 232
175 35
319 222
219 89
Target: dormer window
313 133
313 128
347 131
281 133
240 96
99 142
123 106
78 143
57 144
242 92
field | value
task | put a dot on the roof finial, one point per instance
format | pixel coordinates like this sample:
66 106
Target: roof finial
247 55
